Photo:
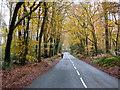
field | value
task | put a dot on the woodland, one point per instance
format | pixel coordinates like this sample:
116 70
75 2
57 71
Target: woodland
40 30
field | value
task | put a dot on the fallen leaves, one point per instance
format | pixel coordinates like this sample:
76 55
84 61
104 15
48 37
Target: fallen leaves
113 71
21 77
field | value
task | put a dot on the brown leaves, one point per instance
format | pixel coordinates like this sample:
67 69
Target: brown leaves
113 71
21 77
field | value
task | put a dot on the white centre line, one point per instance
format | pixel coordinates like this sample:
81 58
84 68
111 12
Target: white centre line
78 72
83 82
75 67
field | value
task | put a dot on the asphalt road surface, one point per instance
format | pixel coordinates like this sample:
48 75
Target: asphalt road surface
73 73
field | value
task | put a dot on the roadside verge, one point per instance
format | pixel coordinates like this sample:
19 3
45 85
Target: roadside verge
113 70
23 76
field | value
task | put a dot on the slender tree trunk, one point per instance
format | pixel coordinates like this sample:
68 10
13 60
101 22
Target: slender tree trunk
38 25
26 36
118 35
56 46
110 39
60 47
51 47
45 42
19 36
92 46
54 41
41 32
11 29
106 26
95 42
81 46
52 29
36 44
26 39
87 44
117 39
106 33
24 42
45 39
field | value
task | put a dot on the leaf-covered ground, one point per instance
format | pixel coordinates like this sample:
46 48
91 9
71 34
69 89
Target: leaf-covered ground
23 76
113 71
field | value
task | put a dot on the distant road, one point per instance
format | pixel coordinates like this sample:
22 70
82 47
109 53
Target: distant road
73 73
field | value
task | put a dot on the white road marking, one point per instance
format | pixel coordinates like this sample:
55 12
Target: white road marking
75 67
83 82
73 64
78 72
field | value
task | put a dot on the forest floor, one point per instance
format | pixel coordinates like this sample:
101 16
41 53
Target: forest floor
113 71
21 76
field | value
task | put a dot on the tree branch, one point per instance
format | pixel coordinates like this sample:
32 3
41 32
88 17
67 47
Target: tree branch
26 15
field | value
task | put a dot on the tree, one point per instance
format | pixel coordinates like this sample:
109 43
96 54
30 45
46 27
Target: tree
12 28
42 30
104 5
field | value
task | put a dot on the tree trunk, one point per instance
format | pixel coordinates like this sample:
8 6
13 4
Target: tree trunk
26 39
106 32
95 42
104 5
19 36
56 46
87 44
117 39
11 29
51 47
38 25
118 35
45 42
42 30
24 55
51 36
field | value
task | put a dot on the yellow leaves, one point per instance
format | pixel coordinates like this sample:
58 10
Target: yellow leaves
30 58
111 23
17 44
24 27
36 42
20 27
26 3
31 43
21 57
28 51
76 41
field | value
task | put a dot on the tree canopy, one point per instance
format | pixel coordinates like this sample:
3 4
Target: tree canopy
41 30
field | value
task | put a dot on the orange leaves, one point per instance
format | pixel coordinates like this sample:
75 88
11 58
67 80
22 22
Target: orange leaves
21 76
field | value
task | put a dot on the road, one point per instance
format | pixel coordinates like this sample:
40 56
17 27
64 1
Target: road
73 73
